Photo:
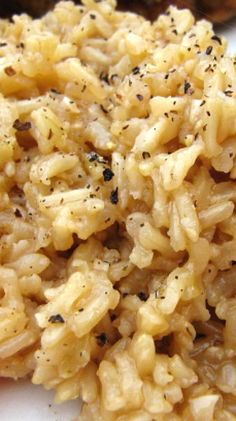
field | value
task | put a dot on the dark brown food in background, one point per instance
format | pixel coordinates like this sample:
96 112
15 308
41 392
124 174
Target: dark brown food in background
216 10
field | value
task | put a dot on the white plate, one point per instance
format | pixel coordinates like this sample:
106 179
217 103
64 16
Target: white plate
21 400
229 31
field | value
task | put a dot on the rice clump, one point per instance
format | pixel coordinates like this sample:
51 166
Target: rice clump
117 199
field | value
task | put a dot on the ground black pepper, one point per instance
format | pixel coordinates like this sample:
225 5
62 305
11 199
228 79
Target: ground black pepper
93 156
108 174
104 109
57 318
114 77
139 97
102 339
145 155
50 133
209 50
114 196
187 85
104 77
18 213
228 93
54 91
216 38
142 296
136 70
21 126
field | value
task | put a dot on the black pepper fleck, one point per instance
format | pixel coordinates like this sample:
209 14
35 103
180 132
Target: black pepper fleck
18 213
93 156
50 133
216 38
114 77
54 91
228 93
139 97
145 155
114 196
186 87
57 318
108 174
102 339
209 50
136 70
142 296
104 109
21 126
104 77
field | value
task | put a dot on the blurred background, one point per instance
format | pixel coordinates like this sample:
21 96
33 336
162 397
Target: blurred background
221 13
216 10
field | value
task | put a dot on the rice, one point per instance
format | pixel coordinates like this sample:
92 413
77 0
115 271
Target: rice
118 239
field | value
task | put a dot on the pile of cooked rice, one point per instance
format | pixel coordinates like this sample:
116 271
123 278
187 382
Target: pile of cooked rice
118 231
